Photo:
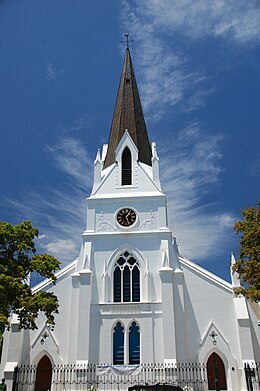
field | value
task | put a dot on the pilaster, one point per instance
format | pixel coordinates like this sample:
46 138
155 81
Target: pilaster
85 297
169 335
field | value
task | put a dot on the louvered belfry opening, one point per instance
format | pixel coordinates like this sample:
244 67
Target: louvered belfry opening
126 167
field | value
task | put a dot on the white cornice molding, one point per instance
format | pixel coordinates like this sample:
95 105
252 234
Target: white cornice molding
133 234
45 283
205 273
133 196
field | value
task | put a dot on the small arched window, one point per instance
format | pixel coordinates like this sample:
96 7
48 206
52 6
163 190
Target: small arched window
118 344
126 279
126 167
134 344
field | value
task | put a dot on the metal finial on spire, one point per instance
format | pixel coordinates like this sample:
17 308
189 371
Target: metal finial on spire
127 40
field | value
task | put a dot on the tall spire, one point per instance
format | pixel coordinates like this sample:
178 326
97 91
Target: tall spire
128 114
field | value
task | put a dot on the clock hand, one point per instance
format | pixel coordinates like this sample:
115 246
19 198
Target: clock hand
126 217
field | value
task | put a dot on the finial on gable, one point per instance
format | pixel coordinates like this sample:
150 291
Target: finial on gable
234 275
154 151
98 158
232 258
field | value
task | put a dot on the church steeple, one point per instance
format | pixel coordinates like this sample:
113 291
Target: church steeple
128 114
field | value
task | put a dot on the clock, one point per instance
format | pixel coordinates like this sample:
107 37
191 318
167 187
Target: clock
126 217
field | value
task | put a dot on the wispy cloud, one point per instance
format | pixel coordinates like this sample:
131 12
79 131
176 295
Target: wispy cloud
59 215
168 74
228 19
61 247
254 168
59 212
52 72
72 158
190 170
165 74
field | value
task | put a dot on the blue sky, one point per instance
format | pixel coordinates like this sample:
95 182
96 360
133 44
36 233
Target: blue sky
197 65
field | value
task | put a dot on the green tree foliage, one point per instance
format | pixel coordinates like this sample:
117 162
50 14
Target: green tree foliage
18 258
248 264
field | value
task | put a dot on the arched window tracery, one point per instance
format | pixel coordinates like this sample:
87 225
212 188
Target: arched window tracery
126 279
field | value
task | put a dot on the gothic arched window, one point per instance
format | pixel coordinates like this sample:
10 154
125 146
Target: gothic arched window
134 344
126 279
126 167
118 344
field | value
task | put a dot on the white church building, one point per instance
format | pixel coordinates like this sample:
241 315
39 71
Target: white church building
131 301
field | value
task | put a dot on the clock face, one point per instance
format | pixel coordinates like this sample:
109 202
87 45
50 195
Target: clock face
126 217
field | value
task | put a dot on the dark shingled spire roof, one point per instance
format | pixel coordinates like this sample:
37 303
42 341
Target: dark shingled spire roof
128 114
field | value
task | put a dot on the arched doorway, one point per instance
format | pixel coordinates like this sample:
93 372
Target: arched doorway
43 375
216 373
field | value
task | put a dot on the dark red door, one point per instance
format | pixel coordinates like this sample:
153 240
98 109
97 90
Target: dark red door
216 373
43 375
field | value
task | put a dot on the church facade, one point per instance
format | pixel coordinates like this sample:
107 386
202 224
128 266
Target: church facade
131 298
